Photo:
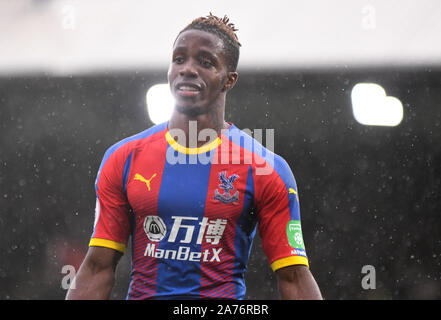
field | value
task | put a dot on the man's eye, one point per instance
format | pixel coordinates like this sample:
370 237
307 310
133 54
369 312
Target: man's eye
178 60
207 63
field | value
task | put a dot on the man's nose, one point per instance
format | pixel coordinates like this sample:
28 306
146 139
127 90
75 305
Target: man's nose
188 69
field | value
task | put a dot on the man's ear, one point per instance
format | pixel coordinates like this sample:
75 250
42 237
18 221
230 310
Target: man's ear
230 81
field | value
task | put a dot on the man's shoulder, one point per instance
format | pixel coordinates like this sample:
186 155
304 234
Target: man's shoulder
126 145
252 140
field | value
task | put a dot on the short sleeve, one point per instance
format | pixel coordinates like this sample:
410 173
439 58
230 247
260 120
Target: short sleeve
111 226
279 217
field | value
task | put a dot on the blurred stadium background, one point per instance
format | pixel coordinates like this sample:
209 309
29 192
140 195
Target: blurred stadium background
73 81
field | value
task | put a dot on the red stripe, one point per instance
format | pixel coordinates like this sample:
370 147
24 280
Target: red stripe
217 277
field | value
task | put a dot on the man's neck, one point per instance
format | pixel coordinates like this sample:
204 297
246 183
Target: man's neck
193 125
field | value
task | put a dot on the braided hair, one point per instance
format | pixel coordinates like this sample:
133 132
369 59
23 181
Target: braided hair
225 30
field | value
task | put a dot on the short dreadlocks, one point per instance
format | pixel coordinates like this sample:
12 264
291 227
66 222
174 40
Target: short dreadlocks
225 30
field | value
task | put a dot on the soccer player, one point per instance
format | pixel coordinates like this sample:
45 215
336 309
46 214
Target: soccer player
191 207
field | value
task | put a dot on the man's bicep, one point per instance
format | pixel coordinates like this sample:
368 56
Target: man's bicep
96 275
297 282
101 258
291 273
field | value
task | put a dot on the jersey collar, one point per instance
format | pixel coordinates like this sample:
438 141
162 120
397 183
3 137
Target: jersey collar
203 149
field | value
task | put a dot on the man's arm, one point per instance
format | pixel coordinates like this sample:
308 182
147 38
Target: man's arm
297 283
96 276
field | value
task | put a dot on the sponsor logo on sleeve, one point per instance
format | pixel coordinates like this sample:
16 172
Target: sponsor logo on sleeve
294 234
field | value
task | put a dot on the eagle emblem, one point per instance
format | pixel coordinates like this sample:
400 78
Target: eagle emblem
227 185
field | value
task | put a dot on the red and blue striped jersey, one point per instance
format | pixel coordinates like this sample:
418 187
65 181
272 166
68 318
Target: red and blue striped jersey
192 213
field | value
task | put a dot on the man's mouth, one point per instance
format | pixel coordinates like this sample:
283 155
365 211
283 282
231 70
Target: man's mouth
188 89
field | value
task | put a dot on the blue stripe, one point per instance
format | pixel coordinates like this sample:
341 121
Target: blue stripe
284 171
245 231
126 171
182 193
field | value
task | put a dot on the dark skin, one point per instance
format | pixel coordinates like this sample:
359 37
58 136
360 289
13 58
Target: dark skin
96 276
297 283
198 61
199 81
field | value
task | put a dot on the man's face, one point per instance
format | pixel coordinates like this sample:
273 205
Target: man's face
198 73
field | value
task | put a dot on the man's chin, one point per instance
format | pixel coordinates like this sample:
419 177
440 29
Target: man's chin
189 110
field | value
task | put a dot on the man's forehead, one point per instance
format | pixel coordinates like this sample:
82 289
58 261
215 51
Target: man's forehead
200 38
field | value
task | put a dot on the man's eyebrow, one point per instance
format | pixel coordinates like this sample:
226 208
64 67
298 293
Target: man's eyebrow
208 53
203 52
179 49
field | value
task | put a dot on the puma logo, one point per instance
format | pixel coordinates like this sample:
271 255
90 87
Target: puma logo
291 190
142 179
